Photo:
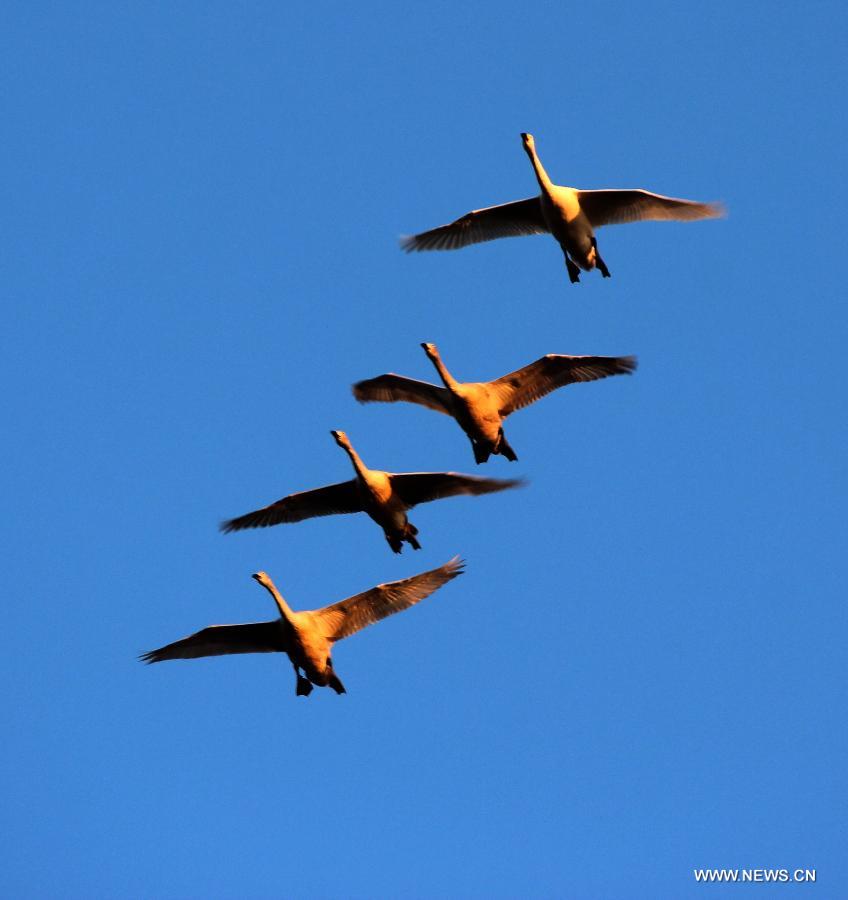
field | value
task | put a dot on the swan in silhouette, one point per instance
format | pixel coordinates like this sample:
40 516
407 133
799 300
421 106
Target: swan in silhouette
569 214
384 496
481 407
308 636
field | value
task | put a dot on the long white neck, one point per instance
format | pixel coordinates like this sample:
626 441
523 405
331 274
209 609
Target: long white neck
447 379
358 465
285 610
545 182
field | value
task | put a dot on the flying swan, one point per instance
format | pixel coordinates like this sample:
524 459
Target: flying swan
569 214
384 496
481 407
307 637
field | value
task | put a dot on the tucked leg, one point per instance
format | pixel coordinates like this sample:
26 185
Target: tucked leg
573 269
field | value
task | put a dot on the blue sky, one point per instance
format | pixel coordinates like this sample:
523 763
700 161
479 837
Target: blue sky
642 670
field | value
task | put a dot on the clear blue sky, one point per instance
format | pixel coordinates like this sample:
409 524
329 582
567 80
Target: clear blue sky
643 669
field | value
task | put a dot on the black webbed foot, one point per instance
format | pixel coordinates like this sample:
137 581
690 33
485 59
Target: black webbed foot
600 265
336 684
505 450
481 453
304 687
573 271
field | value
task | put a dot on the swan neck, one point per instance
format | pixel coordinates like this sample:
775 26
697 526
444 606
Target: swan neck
545 182
283 607
447 379
358 465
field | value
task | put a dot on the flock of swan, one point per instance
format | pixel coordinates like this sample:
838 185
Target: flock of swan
479 408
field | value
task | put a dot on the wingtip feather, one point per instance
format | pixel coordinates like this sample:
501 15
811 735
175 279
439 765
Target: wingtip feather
359 392
455 566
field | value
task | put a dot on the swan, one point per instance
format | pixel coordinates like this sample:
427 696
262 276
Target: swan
569 214
384 496
308 636
481 407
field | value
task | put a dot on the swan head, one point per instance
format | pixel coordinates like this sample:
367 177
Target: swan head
340 438
262 578
431 350
528 140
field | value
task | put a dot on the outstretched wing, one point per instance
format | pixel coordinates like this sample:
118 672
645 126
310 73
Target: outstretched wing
348 616
507 220
325 501
422 487
527 385
392 388
218 640
613 207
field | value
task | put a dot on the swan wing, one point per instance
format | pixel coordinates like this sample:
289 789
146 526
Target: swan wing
611 207
422 487
507 220
324 501
342 619
392 388
220 640
527 385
